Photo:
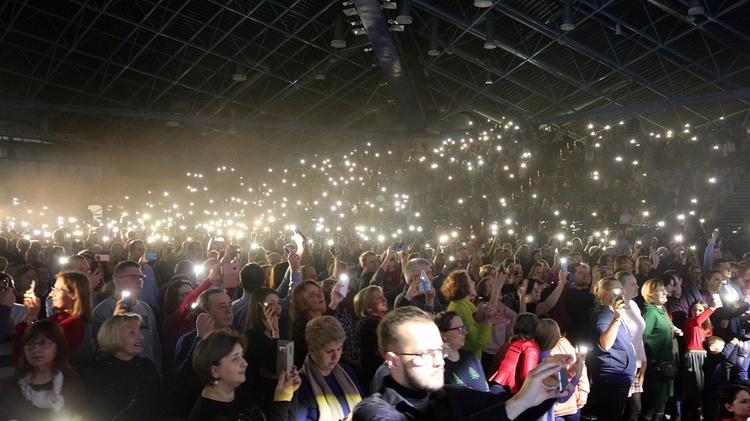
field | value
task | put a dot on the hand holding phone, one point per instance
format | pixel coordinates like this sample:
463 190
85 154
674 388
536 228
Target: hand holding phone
230 275
344 282
424 283
285 357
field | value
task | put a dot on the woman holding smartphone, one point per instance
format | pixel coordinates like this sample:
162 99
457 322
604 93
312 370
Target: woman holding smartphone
262 349
612 359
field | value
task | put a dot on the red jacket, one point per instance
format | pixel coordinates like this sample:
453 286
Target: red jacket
513 362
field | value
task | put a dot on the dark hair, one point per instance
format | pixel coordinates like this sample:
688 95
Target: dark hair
619 260
120 268
252 277
718 262
170 295
727 395
443 320
210 350
255 313
525 326
184 267
51 331
277 273
706 325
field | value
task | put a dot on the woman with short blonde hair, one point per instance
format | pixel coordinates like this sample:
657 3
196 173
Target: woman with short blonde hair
317 400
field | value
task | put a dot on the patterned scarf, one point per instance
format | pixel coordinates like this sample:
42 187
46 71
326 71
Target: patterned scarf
329 408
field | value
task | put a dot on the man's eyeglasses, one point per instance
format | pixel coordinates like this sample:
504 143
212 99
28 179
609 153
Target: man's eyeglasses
137 277
427 357
40 344
460 329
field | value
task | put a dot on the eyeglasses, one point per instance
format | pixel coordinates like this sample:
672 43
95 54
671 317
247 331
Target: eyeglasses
138 277
460 329
53 289
427 357
41 345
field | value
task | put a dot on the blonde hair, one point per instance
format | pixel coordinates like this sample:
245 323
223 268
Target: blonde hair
324 330
363 299
650 287
110 334
605 284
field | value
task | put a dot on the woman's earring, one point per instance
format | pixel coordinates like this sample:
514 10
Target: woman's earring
215 382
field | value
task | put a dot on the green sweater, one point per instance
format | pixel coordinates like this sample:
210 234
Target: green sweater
658 339
477 334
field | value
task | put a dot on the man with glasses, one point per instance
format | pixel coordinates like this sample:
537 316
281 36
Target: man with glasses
128 280
414 353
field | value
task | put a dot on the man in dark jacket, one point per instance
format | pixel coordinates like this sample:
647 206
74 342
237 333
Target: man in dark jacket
413 351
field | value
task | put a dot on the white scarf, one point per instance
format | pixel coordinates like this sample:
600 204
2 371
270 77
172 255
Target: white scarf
45 399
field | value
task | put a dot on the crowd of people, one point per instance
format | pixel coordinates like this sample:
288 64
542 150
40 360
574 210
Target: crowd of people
647 332
484 278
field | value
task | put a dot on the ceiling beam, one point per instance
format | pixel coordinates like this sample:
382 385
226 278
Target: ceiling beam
395 70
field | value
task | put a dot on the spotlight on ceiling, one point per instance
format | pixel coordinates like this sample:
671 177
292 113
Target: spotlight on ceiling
488 79
483 4
696 8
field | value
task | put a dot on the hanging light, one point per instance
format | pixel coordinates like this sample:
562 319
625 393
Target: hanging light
433 51
404 18
338 40
567 24
618 29
696 8
483 4
489 41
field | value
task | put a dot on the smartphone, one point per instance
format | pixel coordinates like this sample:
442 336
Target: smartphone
219 239
94 266
6 282
618 297
103 257
564 266
344 285
424 283
231 275
602 270
287 250
571 279
236 250
150 255
126 298
562 379
398 247
285 357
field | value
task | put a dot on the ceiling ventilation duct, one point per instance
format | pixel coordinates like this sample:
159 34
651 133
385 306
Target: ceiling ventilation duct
567 24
